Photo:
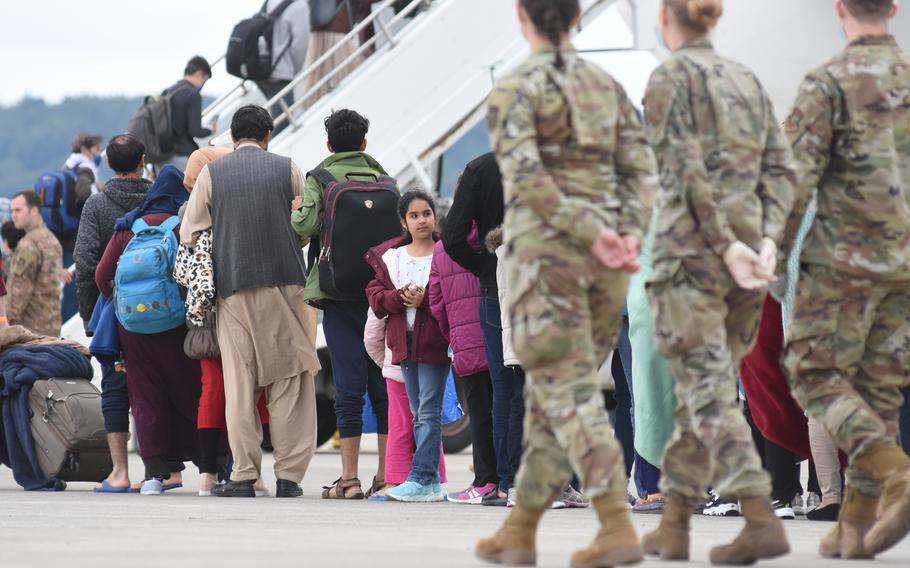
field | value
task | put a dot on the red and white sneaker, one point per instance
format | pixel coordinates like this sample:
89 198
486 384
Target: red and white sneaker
472 495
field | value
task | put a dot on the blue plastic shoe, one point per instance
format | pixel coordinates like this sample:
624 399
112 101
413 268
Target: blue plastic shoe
413 492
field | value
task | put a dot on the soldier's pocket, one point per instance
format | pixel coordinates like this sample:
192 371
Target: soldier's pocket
680 320
813 328
544 302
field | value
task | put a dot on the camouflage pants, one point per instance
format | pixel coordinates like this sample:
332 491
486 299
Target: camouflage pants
566 310
847 357
704 325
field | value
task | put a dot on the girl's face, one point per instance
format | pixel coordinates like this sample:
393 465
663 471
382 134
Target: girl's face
419 221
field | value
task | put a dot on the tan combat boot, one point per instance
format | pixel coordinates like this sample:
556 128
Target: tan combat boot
762 538
845 540
671 539
514 543
616 543
890 465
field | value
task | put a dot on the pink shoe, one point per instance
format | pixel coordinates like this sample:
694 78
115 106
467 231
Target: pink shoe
472 495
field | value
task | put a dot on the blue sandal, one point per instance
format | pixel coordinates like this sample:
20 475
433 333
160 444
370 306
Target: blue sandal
106 487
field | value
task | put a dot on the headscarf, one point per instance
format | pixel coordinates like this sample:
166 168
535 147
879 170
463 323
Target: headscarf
166 195
198 160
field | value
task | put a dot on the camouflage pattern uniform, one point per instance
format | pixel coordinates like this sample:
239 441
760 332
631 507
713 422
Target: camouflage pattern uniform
574 160
848 352
727 175
34 284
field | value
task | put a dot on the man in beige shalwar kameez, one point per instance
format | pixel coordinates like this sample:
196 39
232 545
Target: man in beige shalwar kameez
265 330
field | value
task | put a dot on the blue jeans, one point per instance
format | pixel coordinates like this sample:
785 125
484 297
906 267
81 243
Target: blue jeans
647 476
508 394
622 422
426 386
353 372
115 400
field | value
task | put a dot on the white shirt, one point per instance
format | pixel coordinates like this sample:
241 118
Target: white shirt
413 270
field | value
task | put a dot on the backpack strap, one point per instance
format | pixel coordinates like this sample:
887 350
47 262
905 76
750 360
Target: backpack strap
138 226
322 175
171 223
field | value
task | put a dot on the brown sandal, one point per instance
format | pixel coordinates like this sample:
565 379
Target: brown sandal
338 489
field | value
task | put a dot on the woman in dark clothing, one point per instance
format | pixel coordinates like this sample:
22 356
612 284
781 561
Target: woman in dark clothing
164 384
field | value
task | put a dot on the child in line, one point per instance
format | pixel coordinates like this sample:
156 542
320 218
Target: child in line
398 292
399 451
455 304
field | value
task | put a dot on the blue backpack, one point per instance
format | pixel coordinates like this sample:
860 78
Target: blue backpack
59 206
147 297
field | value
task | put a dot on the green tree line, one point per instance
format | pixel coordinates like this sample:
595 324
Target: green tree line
35 136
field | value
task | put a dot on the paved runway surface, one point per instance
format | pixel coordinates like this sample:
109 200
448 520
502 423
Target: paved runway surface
78 529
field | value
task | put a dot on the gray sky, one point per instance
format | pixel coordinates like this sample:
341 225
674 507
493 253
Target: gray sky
55 48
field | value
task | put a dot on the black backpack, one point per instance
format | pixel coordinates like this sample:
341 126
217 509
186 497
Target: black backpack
153 125
323 12
249 51
358 215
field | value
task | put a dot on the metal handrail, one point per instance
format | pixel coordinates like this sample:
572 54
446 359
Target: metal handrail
287 111
305 73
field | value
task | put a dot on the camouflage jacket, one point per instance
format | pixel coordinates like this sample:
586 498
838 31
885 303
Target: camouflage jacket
572 150
850 131
726 171
34 284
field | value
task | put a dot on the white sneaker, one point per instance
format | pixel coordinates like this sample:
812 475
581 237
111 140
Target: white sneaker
798 507
783 510
719 507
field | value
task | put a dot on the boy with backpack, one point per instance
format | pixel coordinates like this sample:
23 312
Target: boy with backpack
348 194
168 125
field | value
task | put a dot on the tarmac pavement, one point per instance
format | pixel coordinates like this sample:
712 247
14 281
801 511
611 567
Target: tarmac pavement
79 529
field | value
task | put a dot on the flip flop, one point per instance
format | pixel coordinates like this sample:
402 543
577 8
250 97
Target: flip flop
106 487
169 486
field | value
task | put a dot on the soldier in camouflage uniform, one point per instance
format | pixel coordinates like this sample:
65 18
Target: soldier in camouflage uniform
727 177
36 273
576 166
848 352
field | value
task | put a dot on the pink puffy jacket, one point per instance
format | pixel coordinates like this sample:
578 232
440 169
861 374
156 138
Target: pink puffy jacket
455 303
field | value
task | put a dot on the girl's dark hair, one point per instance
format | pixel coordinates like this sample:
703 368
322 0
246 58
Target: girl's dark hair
409 197
552 18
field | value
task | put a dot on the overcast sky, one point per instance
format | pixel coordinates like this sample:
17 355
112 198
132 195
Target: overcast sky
56 48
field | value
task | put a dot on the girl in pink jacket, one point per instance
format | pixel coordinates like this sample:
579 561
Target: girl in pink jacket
455 304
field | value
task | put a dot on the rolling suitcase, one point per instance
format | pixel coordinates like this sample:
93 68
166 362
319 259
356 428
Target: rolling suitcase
68 430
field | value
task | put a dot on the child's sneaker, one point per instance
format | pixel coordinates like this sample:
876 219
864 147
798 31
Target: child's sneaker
413 492
573 499
472 495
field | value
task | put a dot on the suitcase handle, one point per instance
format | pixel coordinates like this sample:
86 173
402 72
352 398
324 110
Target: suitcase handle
49 403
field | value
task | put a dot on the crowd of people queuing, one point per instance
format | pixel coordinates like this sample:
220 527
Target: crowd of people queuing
586 233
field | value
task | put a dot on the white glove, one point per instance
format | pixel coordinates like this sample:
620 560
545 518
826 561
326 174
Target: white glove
744 265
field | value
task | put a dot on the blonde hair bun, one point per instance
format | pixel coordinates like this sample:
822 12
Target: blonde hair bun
704 14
